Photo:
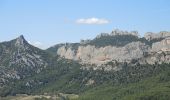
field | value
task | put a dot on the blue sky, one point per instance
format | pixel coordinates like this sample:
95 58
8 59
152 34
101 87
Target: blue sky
48 22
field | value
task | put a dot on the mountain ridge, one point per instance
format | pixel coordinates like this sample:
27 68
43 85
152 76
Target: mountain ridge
104 47
25 69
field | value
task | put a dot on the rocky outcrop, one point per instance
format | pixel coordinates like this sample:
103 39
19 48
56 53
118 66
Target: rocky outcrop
118 32
119 46
163 45
156 58
20 41
91 54
138 49
151 36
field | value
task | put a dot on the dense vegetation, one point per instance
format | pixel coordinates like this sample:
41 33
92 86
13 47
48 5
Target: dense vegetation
117 40
152 88
120 40
135 82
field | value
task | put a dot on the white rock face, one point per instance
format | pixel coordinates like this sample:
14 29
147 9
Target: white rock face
91 55
156 57
67 53
151 36
163 45
159 53
100 56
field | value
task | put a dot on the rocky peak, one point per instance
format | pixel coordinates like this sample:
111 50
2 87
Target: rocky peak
119 32
18 56
20 41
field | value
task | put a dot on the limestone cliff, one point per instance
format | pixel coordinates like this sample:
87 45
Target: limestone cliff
121 46
91 54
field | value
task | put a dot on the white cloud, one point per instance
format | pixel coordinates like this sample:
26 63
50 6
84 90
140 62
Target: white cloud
29 42
92 20
36 44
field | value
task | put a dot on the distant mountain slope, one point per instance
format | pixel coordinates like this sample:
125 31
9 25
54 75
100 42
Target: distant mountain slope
25 68
19 59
